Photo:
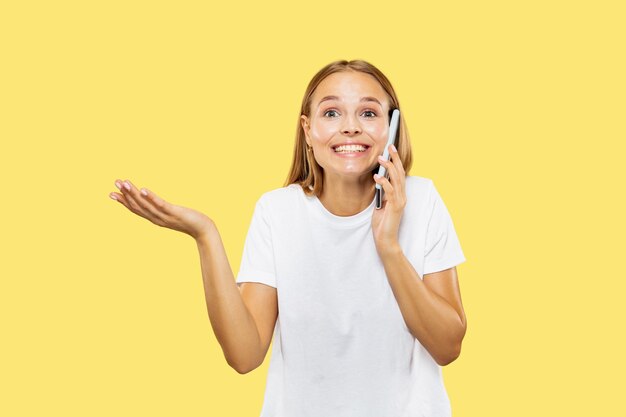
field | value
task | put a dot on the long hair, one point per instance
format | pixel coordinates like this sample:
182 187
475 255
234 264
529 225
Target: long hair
305 170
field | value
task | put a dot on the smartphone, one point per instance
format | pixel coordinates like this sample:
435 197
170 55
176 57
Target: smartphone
393 130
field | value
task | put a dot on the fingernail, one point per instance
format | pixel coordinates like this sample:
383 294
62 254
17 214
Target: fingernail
118 185
113 196
380 158
393 148
127 185
144 192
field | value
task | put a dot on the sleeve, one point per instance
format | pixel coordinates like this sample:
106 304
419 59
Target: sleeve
442 250
257 260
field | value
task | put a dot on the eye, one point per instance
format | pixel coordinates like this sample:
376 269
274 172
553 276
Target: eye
329 111
370 111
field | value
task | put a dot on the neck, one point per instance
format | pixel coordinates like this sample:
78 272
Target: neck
347 196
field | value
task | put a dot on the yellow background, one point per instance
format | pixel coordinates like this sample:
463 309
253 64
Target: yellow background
516 111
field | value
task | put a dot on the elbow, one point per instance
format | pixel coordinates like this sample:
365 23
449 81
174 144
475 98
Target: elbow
242 368
450 357
243 371
455 352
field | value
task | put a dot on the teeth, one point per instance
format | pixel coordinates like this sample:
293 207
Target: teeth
350 148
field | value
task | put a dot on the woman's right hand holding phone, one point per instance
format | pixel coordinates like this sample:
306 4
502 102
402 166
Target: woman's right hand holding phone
148 205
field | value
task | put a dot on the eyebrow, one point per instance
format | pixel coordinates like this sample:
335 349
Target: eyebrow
368 98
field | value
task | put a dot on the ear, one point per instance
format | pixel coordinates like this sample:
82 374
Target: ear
304 121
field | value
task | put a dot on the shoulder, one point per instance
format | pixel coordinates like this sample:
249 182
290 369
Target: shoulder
419 197
418 188
279 197
279 194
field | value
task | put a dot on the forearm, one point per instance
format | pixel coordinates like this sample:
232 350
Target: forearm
429 317
232 323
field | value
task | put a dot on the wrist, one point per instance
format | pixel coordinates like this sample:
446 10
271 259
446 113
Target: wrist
206 233
390 248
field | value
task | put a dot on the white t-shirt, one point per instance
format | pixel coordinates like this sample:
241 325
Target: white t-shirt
340 346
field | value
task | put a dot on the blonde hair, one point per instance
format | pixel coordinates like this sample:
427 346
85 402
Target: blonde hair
305 170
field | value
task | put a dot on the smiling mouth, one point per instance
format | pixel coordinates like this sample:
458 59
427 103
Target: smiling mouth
351 149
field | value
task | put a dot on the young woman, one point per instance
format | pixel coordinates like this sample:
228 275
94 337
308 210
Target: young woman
369 300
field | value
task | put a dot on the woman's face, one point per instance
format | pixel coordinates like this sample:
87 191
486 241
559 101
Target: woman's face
347 107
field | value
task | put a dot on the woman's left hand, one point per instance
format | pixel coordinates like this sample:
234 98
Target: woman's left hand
386 220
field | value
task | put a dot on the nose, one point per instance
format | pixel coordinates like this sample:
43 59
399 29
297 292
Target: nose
350 126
